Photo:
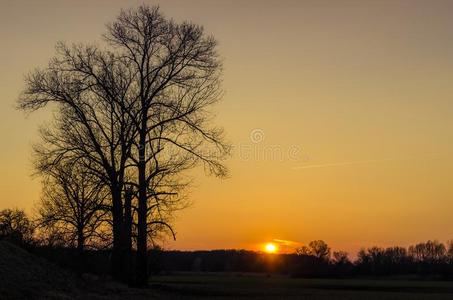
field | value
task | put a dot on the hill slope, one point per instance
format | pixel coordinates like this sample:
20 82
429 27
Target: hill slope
25 276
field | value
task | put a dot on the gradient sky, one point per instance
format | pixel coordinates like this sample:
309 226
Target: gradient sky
340 113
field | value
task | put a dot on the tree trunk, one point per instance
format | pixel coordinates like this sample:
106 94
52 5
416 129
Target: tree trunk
80 241
127 259
142 261
118 241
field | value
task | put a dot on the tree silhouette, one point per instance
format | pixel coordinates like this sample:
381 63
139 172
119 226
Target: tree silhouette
91 127
340 258
73 203
136 116
15 226
177 79
317 248
431 251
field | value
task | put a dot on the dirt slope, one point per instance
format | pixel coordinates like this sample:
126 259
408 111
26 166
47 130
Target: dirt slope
25 276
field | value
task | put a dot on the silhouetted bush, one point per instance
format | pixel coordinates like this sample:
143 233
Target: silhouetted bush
15 226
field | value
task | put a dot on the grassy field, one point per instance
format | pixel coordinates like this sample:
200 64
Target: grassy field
261 287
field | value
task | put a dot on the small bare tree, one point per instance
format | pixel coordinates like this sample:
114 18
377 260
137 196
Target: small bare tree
74 204
317 248
93 124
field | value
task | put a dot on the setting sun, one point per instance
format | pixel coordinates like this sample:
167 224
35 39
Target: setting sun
270 248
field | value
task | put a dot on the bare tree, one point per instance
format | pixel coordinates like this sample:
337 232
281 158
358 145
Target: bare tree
74 203
430 252
92 127
139 114
177 79
316 248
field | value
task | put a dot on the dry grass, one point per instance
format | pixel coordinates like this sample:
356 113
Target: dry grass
25 276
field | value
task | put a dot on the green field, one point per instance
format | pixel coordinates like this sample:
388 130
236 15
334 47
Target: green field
218 286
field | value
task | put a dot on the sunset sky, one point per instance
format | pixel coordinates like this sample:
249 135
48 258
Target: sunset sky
340 114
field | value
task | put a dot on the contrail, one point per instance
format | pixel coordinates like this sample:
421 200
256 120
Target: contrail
358 162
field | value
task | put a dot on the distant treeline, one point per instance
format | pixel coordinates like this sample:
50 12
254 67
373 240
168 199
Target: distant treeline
430 260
